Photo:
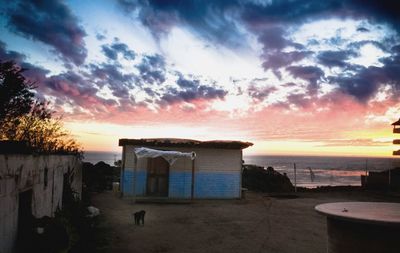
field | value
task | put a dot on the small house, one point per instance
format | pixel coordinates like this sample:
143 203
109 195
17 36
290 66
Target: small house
181 168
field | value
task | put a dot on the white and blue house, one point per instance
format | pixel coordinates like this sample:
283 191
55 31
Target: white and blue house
200 169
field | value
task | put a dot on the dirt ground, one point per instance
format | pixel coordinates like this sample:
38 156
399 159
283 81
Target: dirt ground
260 223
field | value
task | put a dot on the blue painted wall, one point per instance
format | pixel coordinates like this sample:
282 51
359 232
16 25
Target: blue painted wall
180 184
207 184
128 177
217 185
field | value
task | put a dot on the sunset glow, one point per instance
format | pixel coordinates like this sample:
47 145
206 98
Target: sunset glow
293 77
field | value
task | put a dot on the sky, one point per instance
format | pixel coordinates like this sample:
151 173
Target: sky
294 77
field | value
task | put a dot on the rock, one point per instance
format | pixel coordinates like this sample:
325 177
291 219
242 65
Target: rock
256 178
93 212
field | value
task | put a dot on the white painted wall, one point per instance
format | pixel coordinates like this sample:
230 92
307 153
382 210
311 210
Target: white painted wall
23 172
207 159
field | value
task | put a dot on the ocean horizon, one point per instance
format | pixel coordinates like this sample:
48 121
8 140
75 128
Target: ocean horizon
311 171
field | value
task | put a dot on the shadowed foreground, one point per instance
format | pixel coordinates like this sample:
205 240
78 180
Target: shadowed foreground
257 224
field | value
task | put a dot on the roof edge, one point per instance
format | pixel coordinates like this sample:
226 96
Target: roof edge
173 142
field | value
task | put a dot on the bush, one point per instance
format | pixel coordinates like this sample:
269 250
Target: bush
256 178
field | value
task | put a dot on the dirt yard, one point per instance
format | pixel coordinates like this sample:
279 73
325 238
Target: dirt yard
260 223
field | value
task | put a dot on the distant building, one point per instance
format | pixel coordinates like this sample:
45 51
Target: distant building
31 185
388 179
195 169
396 130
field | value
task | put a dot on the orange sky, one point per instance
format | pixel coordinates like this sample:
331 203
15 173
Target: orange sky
273 131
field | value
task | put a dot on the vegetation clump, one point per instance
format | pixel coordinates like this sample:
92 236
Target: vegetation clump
256 178
26 119
100 176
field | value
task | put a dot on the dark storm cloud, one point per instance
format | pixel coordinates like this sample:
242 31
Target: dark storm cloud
112 51
362 85
34 73
218 20
362 29
298 11
52 23
6 55
273 41
110 72
128 5
73 89
272 38
213 20
392 69
276 60
381 11
70 84
149 91
358 44
111 75
152 69
68 87
189 91
364 82
309 73
396 50
334 58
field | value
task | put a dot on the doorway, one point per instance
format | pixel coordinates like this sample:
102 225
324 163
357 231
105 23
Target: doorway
157 177
25 222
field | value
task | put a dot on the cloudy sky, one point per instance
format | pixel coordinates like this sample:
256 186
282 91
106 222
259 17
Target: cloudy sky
294 77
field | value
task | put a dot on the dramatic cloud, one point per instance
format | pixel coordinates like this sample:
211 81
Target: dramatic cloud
112 51
191 90
152 69
218 20
34 73
274 41
215 21
365 82
110 75
334 58
308 73
291 70
260 93
51 23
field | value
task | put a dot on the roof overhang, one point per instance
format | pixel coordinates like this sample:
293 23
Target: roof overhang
168 142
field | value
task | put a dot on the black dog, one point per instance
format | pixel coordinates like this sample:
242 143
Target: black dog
139 216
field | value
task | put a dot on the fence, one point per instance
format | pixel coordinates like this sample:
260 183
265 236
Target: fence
324 171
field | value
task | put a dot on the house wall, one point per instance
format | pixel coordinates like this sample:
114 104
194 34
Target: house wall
19 173
217 173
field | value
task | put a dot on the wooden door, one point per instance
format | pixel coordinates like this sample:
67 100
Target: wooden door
157 177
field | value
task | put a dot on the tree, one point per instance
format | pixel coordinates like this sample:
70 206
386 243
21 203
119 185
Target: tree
22 118
16 95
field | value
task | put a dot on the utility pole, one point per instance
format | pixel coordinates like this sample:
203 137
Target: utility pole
295 178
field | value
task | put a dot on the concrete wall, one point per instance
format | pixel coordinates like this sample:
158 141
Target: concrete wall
19 173
217 173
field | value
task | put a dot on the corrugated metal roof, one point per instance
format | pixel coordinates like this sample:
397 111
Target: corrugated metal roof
172 142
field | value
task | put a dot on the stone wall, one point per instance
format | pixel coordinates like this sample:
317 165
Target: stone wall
43 176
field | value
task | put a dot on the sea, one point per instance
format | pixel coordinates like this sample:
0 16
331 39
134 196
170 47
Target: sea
311 171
